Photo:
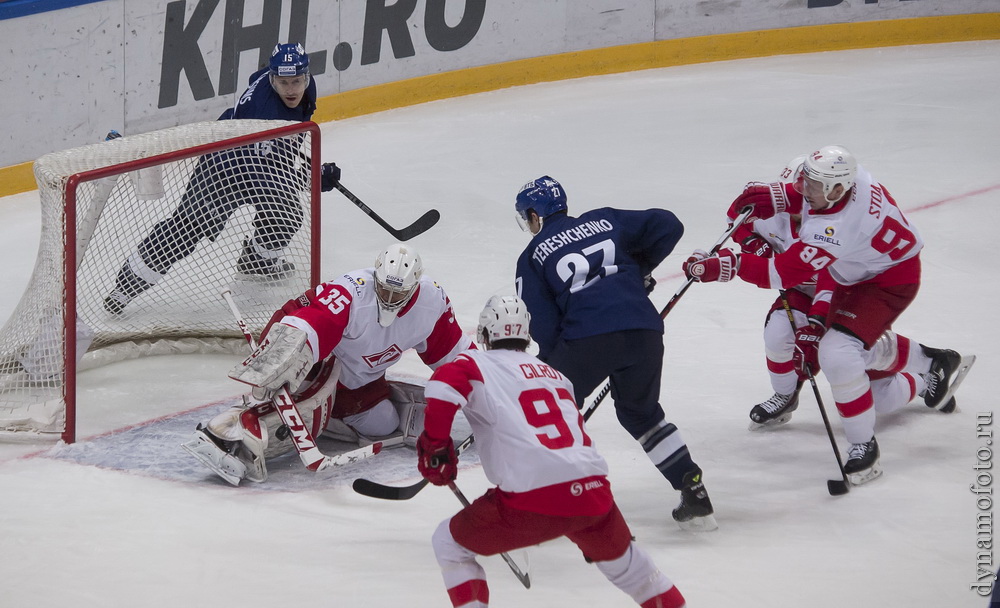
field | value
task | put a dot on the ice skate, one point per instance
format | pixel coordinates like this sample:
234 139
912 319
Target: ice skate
775 411
862 462
948 369
127 286
217 454
253 266
695 511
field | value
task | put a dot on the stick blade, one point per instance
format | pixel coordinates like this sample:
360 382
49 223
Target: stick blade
424 223
372 489
837 487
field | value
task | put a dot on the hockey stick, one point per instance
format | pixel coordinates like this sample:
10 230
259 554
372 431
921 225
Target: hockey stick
302 439
742 217
423 223
521 575
836 487
374 489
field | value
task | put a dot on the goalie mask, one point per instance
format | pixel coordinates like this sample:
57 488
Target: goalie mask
822 171
503 318
397 276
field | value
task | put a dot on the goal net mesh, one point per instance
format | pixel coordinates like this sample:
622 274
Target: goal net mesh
140 235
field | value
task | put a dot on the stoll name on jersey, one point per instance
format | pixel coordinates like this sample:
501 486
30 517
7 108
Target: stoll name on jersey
577 233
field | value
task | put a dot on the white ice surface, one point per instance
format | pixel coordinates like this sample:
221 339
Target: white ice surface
923 119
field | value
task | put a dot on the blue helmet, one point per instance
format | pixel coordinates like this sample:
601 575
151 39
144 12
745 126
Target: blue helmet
289 60
544 196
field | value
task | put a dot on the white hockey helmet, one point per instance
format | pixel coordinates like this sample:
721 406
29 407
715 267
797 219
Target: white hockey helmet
397 274
503 318
791 171
828 166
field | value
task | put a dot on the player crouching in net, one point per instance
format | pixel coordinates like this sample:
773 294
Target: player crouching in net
861 248
551 482
332 348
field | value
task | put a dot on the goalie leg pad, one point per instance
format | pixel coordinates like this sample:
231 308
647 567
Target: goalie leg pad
410 403
375 423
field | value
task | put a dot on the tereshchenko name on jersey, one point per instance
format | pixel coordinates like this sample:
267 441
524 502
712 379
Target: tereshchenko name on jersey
578 233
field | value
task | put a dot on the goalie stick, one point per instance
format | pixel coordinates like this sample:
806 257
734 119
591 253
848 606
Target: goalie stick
836 487
302 439
366 487
423 223
742 217
521 575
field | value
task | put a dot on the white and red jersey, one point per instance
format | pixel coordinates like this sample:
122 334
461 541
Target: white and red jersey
779 231
860 239
529 432
342 318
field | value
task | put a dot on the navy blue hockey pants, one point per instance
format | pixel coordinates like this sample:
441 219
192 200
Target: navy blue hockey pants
633 360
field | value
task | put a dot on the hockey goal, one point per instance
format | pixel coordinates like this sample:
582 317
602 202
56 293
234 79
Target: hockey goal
139 237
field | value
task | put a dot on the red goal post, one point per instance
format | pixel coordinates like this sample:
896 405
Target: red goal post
190 210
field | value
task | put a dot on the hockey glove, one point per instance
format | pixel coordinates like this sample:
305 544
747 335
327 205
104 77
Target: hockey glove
806 355
720 267
755 245
283 357
330 177
765 199
648 282
436 459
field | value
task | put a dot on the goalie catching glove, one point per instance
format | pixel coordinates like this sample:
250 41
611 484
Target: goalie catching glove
436 459
283 357
722 266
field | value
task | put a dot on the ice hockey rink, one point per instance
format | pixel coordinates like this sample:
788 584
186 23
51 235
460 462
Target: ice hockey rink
102 525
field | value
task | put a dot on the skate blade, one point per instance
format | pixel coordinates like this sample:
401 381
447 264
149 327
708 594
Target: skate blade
699 524
963 370
207 454
863 477
780 420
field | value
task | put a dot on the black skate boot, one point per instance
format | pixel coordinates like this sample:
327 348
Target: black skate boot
944 363
127 286
695 511
862 462
775 411
252 265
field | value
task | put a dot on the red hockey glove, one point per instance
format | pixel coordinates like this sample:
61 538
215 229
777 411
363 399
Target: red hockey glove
806 353
755 245
437 460
720 267
765 199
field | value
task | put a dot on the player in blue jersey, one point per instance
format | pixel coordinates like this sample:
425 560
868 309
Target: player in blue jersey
586 282
268 176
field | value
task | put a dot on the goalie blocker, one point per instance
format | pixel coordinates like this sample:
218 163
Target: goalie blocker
237 443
